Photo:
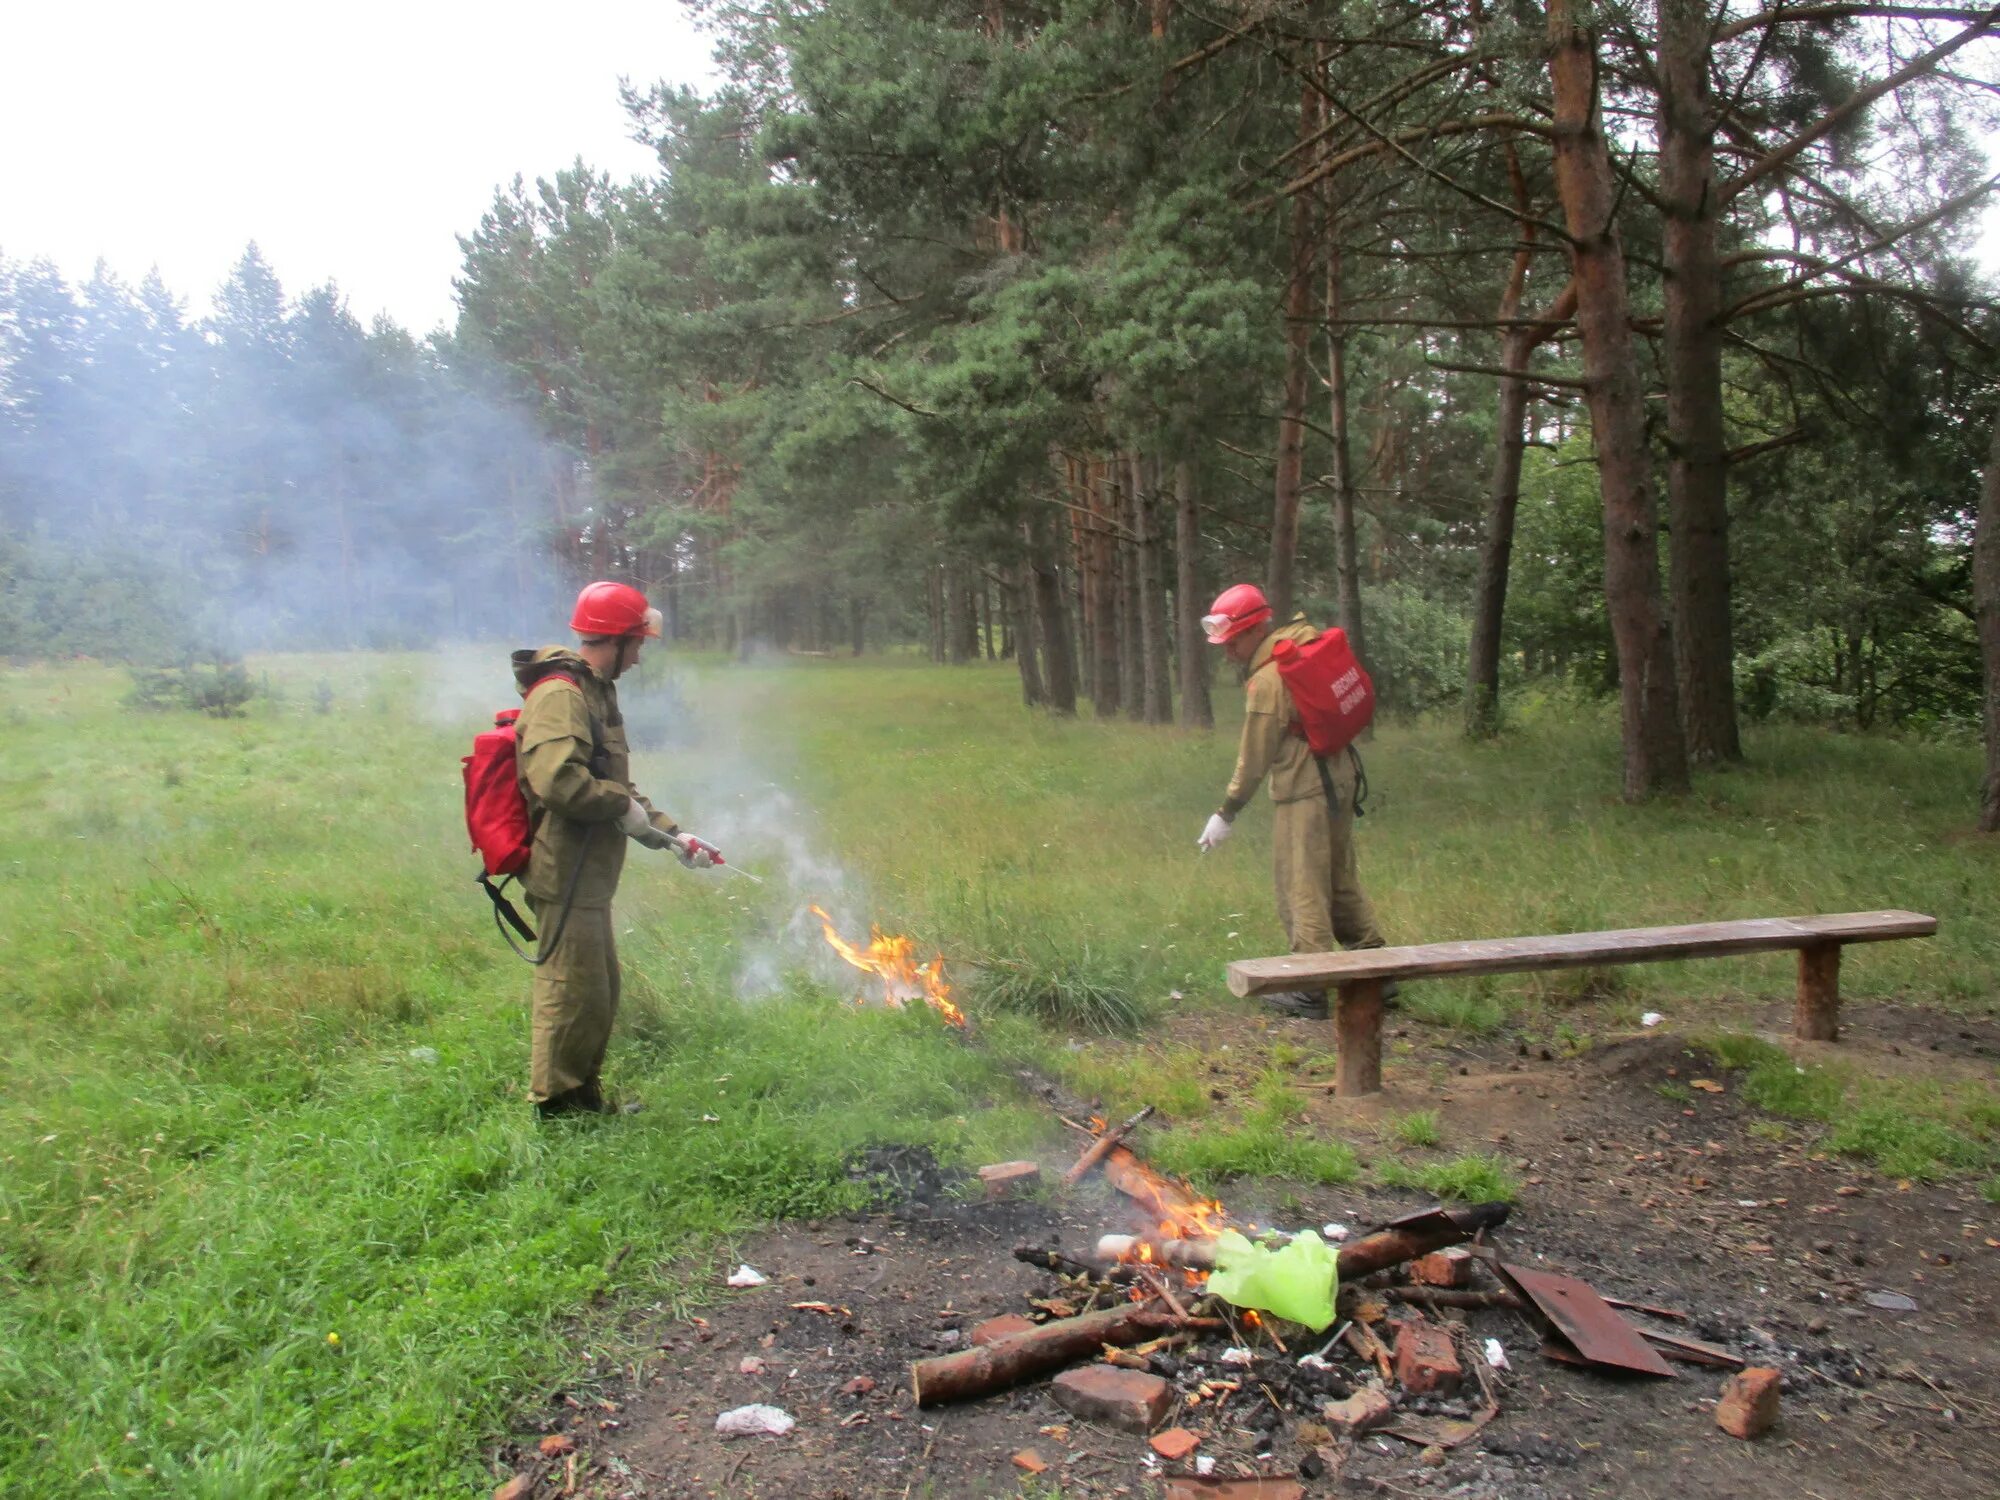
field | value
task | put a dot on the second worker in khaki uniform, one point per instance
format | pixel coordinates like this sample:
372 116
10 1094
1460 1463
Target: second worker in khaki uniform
575 771
1318 885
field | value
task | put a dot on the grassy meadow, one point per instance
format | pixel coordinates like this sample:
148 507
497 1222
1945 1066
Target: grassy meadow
275 1218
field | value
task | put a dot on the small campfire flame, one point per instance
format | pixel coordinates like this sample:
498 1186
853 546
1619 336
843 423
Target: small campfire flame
893 961
1173 1213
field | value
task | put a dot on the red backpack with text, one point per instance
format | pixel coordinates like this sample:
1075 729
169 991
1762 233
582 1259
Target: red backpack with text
1330 688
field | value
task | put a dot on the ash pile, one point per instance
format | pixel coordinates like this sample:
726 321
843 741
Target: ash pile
1259 1362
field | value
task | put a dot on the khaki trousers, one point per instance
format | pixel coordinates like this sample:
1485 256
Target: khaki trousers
1320 900
575 1000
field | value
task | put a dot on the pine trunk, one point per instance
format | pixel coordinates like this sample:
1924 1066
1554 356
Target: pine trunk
1691 357
1290 457
1051 618
1190 603
1655 754
1503 490
1131 643
1017 606
1104 679
1153 650
1346 549
1986 610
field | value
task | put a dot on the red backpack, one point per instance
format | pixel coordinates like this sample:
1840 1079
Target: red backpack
496 811
1331 689
496 814
497 818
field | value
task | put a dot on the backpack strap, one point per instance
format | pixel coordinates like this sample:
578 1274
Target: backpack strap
1360 783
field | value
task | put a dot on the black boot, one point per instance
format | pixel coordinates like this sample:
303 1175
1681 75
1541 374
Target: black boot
1306 1005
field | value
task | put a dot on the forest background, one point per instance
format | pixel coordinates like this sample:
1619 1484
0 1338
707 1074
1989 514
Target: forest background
1627 350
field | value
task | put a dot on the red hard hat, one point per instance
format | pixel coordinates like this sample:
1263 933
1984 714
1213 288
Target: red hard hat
1240 607
613 609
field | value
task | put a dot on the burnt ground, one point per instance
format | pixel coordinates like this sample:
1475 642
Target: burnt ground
1771 1247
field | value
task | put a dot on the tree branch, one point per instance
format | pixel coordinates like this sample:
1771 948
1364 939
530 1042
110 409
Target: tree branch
876 390
1861 100
1567 382
1764 445
1786 13
1817 266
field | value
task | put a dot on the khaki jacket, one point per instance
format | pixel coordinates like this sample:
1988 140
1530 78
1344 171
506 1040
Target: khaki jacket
575 771
1270 749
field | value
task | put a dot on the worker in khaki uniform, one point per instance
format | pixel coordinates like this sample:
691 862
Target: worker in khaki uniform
1320 900
576 775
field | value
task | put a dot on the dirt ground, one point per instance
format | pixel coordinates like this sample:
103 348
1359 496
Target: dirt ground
1770 1248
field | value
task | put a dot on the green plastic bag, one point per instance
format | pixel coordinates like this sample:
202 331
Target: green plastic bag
1296 1283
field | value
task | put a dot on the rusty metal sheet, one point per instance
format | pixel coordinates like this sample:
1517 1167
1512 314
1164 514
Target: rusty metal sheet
1571 1313
1422 1221
1692 1351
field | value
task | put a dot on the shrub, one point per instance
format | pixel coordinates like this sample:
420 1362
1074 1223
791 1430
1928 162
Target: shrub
220 688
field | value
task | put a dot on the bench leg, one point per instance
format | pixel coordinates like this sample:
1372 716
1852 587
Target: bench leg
1357 1032
1817 1018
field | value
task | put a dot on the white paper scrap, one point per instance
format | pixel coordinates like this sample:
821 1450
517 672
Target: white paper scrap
754 1421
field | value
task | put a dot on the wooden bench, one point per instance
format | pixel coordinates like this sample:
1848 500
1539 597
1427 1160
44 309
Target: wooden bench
1360 974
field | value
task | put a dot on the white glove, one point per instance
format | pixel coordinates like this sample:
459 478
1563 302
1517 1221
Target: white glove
698 854
634 823
1213 833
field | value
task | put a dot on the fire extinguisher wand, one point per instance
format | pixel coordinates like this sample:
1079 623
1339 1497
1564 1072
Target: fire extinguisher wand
687 848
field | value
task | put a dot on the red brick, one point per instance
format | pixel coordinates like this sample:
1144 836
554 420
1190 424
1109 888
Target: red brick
1175 1443
1004 1327
1749 1404
1426 1362
1127 1399
520 1487
1007 1178
1366 1408
1447 1268
1234 1489
1030 1460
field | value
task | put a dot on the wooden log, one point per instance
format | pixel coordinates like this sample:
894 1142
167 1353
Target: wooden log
996 1367
1161 1197
1817 1015
1425 1296
1070 1265
1391 1247
1103 1146
1357 1031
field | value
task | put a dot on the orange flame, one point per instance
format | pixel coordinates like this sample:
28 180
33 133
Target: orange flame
893 961
1176 1213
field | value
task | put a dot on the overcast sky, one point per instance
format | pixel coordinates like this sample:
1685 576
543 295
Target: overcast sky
351 142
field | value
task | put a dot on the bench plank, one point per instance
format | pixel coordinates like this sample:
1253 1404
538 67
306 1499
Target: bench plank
1575 950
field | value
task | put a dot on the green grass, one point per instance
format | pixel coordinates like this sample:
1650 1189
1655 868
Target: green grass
1916 1128
1267 1139
1071 991
1420 1128
1467 1179
224 940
